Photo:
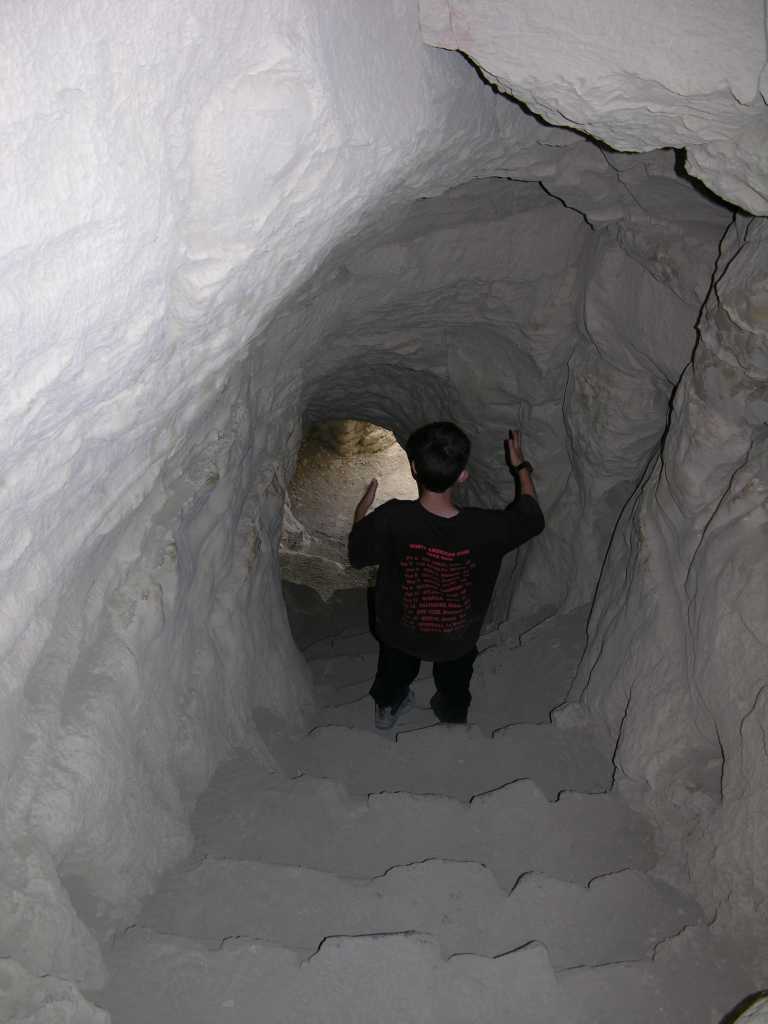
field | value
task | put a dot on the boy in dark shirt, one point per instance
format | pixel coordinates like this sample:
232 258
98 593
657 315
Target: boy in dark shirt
438 564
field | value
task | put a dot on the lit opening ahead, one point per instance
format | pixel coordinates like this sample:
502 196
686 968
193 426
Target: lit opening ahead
336 461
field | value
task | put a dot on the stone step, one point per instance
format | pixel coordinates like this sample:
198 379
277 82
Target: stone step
455 760
693 978
617 917
342 644
315 621
381 979
496 702
357 711
341 671
403 979
352 708
249 815
523 682
512 683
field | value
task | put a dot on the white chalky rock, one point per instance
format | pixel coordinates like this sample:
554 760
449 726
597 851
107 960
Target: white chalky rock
221 218
676 663
37 921
684 73
174 174
27 999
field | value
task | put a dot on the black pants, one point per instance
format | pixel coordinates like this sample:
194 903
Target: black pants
397 670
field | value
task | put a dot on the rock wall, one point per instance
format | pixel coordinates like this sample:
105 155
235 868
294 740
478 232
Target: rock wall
178 173
499 306
349 438
637 76
224 222
676 662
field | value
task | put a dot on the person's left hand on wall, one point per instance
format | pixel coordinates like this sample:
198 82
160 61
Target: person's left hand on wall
367 500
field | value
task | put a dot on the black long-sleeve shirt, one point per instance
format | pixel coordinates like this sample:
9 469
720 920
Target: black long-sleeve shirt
437 574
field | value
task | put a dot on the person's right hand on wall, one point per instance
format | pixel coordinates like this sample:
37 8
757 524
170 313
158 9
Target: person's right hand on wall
518 463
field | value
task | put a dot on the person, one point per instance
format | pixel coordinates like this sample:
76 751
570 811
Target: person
438 563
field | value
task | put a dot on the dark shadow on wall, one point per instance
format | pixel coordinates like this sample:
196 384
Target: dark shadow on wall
699 186
312 619
680 154
743 1006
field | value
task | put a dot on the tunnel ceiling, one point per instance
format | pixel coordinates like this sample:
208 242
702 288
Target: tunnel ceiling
678 73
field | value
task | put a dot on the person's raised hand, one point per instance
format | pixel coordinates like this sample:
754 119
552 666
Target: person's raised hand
514 448
370 493
367 499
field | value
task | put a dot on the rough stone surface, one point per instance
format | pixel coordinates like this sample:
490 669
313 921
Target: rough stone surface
220 223
639 77
350 437
174 177
625 942
377 979
335 464
29 999
457 762
676 660
316 823
38 923
501 303
617 917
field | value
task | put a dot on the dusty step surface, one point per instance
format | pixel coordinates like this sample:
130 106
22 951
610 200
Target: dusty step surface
512 683
617 917
343 644
293 862
402 978
523 683
352 707
377 979
315 621
453 760
249 815
693 978
357 712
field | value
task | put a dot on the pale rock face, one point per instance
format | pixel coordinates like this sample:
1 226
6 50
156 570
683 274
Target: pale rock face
510 311
38 924
676 663
349 438
27 999
676 659
176 176
224 221
637 76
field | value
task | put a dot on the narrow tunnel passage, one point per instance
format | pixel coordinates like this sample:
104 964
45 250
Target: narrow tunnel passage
450 310
226 225
335 463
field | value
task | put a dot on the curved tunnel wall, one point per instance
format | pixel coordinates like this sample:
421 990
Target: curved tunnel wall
499 307
145 439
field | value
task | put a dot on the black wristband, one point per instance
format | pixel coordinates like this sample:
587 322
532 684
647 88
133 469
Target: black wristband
523 465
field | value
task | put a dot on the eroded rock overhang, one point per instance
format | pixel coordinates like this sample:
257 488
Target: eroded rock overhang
638 77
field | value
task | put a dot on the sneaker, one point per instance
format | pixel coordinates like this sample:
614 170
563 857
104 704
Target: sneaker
386 718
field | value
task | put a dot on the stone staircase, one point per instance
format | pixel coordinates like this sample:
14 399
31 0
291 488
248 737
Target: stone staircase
448 874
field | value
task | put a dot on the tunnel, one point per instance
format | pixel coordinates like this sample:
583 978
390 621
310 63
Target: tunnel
229 225
335 463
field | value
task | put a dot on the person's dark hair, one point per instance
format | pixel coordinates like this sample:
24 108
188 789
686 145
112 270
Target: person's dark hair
439 452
